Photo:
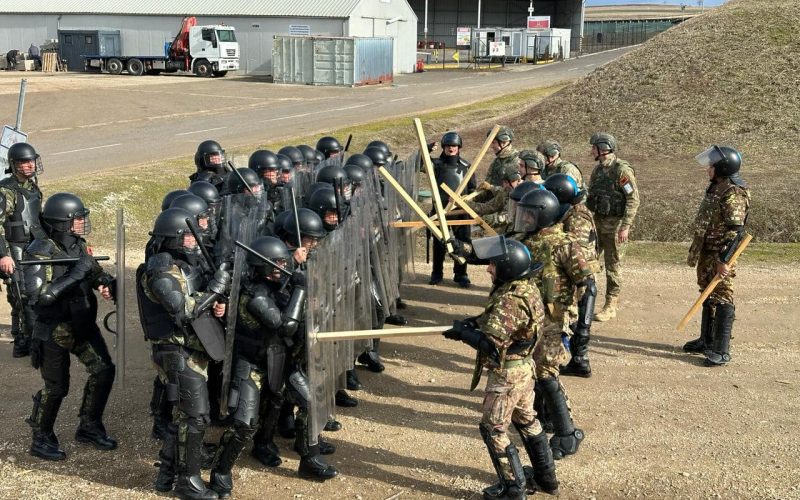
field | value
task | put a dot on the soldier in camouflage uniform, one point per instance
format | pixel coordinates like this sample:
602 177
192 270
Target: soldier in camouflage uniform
179 307
614 200
567 274
531 164
718 229
492 203
20 204
578 222
504 336
65 308
554 164
505 156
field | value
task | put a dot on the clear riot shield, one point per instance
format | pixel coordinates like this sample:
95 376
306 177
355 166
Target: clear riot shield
406 239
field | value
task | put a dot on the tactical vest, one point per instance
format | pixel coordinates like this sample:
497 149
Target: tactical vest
606 197
27 209
709 223
157 324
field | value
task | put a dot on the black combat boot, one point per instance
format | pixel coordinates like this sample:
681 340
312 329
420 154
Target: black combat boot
718 354
396 319
264 448
190 485
578 365
542 476
703 342
371 358
46 446
231 446
286 421
353 384
345 400
165 480
567 438
505 489
93 432
325 447
332 425
22 346
312 466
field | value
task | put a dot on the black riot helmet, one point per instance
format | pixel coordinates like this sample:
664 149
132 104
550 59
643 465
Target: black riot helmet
320 157
356 174
382 146
524 188
171 230
286 169
511 258
726 161
310 225
207 191
209 156
192 204
20 153
65 213
377 155
536 210
280 219
322 202
360 160
329 146
315 186
451 139
262 159
309 153
563 186
337 177
273 249
295 155
170 197
234 184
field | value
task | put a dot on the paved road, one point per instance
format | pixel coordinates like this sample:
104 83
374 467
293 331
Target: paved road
91 124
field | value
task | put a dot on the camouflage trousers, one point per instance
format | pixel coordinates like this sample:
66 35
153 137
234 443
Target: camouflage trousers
612 252
706 270
53 356
549 352
509 398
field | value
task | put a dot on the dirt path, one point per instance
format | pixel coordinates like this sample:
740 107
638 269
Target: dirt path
658 423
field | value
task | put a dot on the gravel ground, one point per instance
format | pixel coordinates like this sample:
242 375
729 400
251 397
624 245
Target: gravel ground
658 423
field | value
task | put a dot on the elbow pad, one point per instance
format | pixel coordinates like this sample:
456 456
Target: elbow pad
293 314
265 311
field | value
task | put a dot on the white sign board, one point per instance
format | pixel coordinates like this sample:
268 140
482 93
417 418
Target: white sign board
497 49
8 139
463 37
299 29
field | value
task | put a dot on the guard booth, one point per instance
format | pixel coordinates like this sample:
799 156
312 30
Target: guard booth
547 45
74 44
484 39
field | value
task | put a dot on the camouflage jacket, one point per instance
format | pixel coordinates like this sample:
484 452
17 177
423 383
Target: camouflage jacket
565 264
613 192
513 317
579 223
508 156
492 206
722 214
564 167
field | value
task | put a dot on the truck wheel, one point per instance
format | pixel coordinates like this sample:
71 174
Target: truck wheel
202 68
135 67
220 74
114 66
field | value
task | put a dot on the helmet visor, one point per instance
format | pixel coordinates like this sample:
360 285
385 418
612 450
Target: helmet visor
490 247
709 157
525 220
214 159
81 225
28 167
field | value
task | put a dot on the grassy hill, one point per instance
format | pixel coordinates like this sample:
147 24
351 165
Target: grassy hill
729 76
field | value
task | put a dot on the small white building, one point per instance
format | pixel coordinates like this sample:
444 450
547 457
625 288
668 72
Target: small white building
145 26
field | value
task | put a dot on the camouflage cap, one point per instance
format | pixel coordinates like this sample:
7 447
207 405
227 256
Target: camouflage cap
511 173
534 160
549 147
503 135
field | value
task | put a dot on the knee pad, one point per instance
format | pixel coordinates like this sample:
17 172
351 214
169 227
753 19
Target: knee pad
193 395
246 412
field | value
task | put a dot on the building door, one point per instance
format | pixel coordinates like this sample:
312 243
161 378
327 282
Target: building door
73 45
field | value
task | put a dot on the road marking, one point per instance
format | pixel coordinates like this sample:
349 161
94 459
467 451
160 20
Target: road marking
287 117
200 131
86 149
573 69
55 129
401 99
442 92
590 65
352 107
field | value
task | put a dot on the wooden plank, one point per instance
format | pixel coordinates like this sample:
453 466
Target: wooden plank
419 223
461 203
383 333
472 168
408 199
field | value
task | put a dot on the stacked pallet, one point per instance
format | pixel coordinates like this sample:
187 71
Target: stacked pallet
51 63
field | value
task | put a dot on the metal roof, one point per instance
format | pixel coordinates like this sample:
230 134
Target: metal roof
245 8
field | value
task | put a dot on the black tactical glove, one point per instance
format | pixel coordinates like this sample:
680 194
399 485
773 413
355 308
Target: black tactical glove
455 332
299 278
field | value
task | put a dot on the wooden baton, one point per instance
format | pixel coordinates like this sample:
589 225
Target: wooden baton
461 203
384 333
408 199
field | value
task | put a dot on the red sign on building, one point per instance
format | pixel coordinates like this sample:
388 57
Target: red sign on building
539 22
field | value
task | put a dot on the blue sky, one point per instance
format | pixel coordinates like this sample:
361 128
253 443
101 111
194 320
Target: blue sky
692 3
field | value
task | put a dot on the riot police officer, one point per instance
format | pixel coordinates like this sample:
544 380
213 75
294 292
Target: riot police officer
20 205
504 336
179 309
329 147
66 311
210 162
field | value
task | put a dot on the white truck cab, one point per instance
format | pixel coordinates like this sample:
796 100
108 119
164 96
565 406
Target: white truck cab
214 49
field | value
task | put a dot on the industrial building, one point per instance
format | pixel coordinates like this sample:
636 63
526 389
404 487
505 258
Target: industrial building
145 26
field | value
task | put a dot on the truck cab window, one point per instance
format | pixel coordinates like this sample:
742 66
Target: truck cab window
209 35
226 35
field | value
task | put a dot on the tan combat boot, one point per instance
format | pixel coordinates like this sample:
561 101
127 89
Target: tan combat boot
609 310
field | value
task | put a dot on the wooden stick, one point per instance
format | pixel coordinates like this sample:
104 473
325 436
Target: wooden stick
461 203
422 215
419 223
711 286
384 333
468 197
437 200
474 166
